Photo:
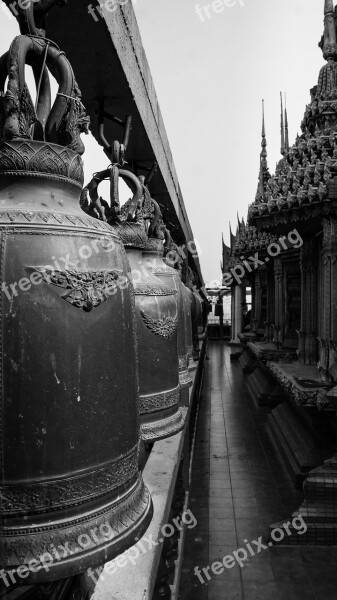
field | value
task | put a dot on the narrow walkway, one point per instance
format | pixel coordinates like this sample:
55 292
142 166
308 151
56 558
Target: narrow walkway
239 488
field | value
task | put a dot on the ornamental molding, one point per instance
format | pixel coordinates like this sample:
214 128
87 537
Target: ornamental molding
162 270
26 157
31 498
20 545
315 398
14 217
163 428
153 290
161 401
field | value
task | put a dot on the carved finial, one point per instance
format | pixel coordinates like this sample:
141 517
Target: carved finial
286 124
329 41
264 139
232 237
282 128
264 173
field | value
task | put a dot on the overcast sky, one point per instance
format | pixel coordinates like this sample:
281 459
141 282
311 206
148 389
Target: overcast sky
211 74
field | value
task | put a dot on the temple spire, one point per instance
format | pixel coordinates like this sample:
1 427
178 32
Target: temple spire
264 140
232 237
286 124
329 42
263 174
282 128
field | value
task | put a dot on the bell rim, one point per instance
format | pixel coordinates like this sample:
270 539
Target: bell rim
164 428
79 562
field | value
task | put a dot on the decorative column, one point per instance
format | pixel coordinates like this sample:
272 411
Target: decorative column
279 302
236 314
252 320
258 298
233 333
307 350
328 337
270 318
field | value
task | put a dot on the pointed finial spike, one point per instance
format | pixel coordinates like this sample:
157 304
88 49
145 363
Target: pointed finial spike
329 42
328 6
264 173
287 146
282 128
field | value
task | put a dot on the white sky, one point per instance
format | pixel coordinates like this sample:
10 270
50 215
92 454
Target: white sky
210 78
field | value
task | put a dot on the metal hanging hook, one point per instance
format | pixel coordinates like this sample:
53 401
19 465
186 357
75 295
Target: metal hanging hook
117 149
150 170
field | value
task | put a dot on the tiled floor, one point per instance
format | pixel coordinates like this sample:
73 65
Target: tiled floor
239 488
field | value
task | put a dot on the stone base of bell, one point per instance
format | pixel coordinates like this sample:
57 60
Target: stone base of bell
163 428
192 365
185 379
185 396
55 547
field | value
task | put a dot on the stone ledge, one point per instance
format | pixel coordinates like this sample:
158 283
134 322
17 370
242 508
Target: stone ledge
160 475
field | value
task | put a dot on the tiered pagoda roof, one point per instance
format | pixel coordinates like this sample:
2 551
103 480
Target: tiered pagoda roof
304 174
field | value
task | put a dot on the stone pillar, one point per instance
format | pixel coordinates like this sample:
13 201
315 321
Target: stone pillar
270 318
258 299
308 333
279 302
237 314
232 314
328 338
252 320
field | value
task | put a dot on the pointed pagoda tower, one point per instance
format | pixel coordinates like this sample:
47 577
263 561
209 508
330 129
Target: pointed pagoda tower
264 172
286 126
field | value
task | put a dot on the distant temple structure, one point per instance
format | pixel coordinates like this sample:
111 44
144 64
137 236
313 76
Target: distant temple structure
286 254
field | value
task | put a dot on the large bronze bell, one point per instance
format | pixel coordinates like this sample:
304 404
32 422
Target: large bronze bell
190 281
156 313
154 258
196 315
71 493
199 313
188 322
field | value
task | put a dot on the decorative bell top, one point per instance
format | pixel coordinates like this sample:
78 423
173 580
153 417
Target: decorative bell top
42 138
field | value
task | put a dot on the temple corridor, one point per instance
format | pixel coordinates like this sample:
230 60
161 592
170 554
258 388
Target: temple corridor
240 487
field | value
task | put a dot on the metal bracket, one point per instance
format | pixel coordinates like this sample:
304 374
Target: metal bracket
117 149
151 171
